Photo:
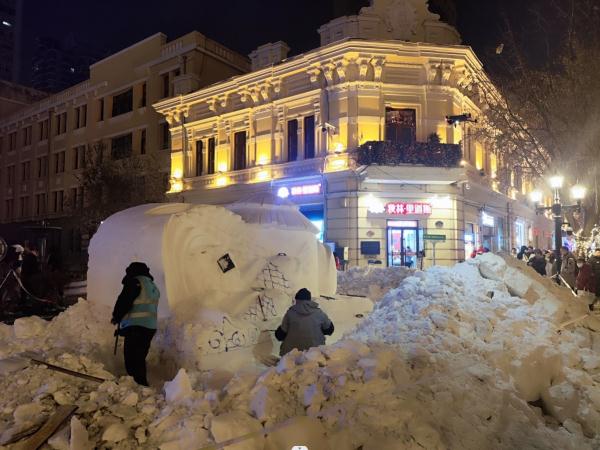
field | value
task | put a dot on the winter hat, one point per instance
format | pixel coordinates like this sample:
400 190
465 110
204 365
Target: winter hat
137 269
303 294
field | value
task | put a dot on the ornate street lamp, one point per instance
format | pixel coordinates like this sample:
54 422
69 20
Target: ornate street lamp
557 208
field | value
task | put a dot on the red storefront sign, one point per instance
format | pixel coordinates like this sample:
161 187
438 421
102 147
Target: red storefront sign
405 209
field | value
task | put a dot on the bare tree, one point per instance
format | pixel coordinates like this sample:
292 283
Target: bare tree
112 184
542 104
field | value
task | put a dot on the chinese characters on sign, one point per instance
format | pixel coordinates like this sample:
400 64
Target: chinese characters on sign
403 208
307 189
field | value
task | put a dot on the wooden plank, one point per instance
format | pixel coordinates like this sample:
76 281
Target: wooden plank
85 376
48 429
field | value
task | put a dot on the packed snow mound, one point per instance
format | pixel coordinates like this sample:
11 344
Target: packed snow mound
182 244
372 282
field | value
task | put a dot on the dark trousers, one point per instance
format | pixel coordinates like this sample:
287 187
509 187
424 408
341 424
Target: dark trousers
137 344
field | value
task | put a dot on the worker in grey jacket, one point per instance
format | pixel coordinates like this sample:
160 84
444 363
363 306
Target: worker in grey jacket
304 325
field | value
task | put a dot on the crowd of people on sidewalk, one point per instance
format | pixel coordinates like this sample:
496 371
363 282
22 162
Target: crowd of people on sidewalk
580 273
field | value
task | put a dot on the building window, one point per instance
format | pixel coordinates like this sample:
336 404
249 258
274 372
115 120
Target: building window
165 136
10 208
10 175
100 110
211 156
61 123
309 137
143 99
59 162
24 209
143 141
26 171
400 125
42 166
79 157
80 116
43 128
27 136
58 201
122 103
199 161
40 204
121 147
239 150
165 85
12 141
292 139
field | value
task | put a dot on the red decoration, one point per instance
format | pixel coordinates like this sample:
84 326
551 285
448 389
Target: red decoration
404 209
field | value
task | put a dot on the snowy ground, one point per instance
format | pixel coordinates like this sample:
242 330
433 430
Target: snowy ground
468 357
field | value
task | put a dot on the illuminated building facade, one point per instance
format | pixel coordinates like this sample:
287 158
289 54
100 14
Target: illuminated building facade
355 133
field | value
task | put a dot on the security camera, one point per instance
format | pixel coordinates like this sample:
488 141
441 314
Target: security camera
327 127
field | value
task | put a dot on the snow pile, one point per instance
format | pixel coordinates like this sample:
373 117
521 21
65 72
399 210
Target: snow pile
372 282
182 244
447 359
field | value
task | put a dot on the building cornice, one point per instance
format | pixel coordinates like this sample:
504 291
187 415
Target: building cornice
326 59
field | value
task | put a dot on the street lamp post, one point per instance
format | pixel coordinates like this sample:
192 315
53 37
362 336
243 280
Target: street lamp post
557 209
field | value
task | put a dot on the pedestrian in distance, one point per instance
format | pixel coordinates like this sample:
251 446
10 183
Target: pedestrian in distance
304 325
594 263
521 255
136 314
538 262
568 267
585 276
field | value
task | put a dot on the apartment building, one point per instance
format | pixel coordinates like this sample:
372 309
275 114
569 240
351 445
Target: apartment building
43 146
355 133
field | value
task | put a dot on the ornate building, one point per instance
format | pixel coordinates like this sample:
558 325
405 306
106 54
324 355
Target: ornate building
355 132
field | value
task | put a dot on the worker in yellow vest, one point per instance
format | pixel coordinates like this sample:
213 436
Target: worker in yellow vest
136 313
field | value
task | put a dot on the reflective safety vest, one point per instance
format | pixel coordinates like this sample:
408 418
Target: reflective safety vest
144 310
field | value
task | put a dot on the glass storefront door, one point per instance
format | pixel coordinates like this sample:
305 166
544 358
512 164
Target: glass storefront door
403 246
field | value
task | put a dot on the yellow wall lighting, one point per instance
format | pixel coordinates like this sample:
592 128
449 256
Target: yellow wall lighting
221 181
222 167
262 175
177 174
176 185
335 163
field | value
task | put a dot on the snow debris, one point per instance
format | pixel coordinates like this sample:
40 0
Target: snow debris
465 357
179 388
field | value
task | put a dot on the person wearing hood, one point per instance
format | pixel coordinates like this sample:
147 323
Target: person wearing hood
304 325
568 267
538 262
136 312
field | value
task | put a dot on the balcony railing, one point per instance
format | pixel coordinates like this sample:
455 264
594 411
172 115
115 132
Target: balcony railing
429 154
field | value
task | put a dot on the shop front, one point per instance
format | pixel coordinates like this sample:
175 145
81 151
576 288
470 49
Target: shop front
308 194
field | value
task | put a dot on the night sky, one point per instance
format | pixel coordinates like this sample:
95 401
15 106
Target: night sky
241 25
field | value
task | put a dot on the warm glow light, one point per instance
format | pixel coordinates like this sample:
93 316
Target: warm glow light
441 202
176 186
339 147
263 161
177 174
578 192
263 175
374 205
338 164
536 196
222 167
556 181
221 181
463 162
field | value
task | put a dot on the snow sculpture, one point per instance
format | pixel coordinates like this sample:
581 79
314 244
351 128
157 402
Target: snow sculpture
271 244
